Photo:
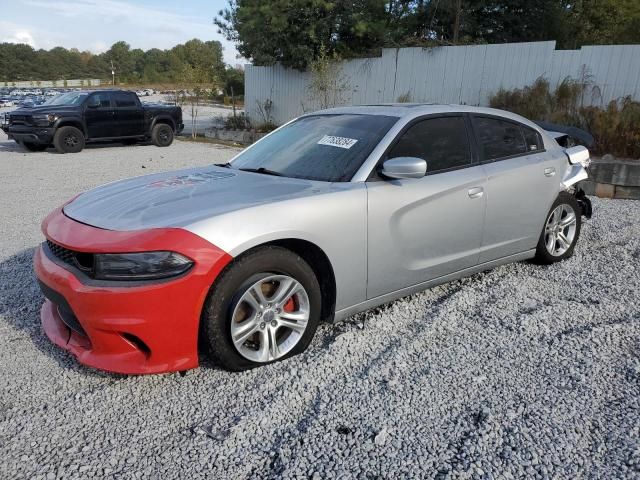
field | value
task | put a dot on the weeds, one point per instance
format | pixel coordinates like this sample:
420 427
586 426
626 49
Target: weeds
616 128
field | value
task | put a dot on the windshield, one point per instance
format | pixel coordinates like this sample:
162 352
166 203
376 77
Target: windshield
70 98
328 148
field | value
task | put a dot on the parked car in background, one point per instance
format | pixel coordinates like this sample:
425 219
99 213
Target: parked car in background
334 213
70 120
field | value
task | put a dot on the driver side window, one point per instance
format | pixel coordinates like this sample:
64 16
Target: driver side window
103 99
442 142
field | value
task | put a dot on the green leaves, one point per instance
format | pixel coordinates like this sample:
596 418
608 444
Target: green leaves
293 31
21 62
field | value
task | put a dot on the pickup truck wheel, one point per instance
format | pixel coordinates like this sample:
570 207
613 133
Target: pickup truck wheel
162 135
34 147
68 140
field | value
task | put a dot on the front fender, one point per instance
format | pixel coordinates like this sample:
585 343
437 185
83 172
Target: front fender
164 118
72 122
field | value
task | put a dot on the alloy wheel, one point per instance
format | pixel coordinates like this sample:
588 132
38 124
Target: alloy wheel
270 318
71 140
560 230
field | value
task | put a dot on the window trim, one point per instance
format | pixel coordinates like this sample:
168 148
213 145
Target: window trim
484 161
374 175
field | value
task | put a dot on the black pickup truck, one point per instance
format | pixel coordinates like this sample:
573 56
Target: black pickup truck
70 120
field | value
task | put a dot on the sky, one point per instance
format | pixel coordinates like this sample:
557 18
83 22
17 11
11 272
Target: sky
95 25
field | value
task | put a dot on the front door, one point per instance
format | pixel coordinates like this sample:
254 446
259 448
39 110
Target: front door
421 229
99 115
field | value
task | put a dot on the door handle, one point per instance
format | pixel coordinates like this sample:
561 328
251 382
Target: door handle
476 192
550 171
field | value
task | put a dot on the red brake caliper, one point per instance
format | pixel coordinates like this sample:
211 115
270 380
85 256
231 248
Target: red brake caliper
290 306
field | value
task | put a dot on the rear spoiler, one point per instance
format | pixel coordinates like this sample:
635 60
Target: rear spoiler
564 134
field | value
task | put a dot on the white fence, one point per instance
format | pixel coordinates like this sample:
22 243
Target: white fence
85 82
462 74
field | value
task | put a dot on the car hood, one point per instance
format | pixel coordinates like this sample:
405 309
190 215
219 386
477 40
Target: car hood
181 198
46 109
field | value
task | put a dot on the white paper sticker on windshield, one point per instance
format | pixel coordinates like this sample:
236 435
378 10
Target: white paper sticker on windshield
341 142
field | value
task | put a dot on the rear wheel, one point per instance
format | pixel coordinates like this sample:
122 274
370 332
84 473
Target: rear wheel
34 147
561 230
68 140
264 308
162 135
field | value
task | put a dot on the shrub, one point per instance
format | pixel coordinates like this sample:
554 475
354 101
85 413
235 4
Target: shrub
616 128
237 122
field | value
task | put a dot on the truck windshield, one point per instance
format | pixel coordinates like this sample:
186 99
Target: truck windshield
328 148
70 98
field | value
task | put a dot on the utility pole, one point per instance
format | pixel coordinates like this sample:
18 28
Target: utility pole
113 74
456 25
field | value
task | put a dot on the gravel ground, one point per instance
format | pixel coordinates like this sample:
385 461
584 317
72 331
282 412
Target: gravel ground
523 371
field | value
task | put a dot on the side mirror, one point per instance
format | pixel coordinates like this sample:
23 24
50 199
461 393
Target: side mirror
93 102
578 154
404 167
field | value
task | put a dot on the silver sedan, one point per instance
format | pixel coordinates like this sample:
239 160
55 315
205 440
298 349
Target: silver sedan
334 213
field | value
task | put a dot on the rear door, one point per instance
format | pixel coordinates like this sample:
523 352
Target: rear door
523 181
129 114
99 115
424 228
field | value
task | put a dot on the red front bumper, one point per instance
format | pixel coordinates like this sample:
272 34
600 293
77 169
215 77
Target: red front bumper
133 328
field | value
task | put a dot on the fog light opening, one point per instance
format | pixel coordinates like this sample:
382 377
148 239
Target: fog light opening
136 342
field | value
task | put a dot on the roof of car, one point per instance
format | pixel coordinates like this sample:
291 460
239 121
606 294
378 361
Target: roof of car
418 109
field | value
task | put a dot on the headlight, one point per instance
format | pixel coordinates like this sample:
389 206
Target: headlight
44 119
139 266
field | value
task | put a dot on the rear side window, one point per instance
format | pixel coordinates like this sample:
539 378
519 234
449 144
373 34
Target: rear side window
124 99
442 142
532 139
499 138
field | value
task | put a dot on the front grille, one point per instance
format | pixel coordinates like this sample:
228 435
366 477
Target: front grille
19 119
64 254
80 260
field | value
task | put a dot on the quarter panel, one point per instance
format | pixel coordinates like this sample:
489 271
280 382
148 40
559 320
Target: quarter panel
334 220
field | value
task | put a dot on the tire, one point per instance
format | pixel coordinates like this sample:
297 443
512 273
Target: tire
34 147
68 140
226 310
162 135
551 246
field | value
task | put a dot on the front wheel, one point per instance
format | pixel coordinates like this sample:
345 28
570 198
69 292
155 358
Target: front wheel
561 230
162 135
68 140
264 308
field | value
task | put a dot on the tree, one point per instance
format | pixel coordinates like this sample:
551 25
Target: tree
293 31
233 81
22 62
